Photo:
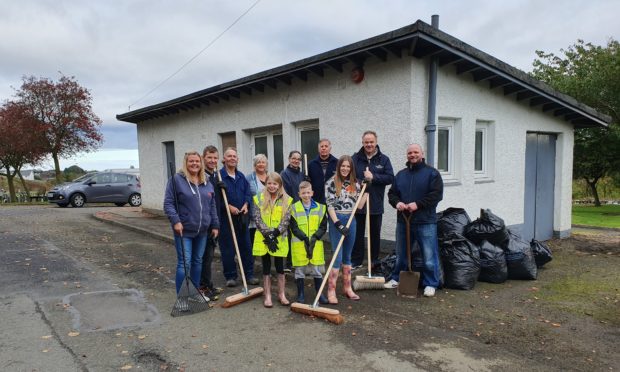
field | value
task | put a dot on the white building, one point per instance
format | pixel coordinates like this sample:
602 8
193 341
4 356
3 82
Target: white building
501 139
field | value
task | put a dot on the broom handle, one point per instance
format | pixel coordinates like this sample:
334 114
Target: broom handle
234 236
331 264
368 232
306 164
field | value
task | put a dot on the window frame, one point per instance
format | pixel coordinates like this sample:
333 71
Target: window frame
269 134
453 171
488 149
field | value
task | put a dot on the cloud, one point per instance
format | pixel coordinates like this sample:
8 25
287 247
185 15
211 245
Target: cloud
122 49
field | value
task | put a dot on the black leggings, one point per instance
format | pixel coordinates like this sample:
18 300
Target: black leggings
278 261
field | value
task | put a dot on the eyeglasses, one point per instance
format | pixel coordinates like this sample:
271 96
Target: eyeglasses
298 159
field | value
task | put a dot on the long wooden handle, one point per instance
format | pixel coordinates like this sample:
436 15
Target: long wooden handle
408 235
331 264
306 164
234 236
368 232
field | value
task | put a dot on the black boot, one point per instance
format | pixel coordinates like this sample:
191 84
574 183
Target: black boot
317 286
300 290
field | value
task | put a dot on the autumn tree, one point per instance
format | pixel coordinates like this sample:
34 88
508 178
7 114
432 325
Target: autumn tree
22 141
591 74
65 107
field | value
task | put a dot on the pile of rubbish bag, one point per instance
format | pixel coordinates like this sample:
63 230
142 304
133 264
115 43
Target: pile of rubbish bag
481 250
485 250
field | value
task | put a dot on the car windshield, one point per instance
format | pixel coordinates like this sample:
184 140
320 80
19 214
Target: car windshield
84 177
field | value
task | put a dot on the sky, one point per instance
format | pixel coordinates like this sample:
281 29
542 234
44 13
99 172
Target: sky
121 49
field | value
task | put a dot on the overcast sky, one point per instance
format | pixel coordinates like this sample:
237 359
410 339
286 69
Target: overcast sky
121 49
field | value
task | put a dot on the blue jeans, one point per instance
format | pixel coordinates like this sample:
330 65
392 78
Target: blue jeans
426 236
344 255
194 249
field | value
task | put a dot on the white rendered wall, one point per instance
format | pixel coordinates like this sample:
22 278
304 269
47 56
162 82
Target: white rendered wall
392 100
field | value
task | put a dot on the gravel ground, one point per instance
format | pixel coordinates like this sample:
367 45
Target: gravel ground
568 319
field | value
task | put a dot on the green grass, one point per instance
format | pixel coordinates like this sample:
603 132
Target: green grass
603 216
594 293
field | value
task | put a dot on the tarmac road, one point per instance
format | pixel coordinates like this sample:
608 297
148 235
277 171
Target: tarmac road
77 294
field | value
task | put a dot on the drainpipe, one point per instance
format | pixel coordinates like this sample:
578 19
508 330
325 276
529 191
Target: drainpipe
431 127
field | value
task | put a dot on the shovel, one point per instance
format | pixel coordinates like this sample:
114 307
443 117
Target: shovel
409 280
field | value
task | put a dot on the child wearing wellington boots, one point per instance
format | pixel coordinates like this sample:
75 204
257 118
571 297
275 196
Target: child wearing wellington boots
271 214
308 224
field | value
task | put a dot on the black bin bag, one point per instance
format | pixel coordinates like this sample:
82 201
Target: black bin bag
488 227
493 268
451 220
542 253
519 259
461 262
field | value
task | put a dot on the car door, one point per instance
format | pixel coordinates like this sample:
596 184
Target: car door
99 188
121 185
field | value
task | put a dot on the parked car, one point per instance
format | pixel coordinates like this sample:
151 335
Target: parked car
102 187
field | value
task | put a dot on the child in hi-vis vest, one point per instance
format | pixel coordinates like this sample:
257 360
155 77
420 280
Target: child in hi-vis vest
308 224
271 213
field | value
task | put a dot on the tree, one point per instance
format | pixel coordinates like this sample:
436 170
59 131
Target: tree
22 141
591 74
65 108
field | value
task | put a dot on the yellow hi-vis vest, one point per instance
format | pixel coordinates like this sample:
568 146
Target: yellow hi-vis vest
272 219
309 224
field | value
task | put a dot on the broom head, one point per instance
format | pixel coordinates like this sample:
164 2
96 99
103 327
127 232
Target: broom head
189 300
242 297
331 315
368 282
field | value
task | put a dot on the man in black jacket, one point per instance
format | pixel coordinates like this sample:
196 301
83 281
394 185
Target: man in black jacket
375 167
322 168
416 191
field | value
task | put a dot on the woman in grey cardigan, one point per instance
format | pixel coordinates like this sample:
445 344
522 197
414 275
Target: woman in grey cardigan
257 181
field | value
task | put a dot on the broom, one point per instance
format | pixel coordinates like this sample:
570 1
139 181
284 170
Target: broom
245 294
331 315
189 299
368 281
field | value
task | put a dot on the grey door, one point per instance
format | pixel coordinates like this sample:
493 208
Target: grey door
539 186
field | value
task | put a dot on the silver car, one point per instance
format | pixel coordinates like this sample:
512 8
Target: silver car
103 187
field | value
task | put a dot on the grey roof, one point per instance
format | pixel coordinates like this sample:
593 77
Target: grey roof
418 40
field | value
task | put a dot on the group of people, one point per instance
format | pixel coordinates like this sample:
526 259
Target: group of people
282 218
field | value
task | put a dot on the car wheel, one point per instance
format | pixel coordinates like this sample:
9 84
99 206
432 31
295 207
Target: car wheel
119 204
77 200
135 200
62 205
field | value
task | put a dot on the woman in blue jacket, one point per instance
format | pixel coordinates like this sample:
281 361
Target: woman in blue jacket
195 215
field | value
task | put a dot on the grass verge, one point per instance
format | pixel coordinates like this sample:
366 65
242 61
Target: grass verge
603 216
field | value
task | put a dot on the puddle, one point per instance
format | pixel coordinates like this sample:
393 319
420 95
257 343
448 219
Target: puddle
108 310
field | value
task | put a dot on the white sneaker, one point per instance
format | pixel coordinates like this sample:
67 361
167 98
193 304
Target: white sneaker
429 292
391 284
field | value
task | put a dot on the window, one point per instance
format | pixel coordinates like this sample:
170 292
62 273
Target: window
443 149
483 149
449 148
278 150
308 138
228 140
269 143
119 178
169 158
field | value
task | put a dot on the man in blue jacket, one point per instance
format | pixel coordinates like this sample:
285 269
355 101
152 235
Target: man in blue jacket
239 197
376 168
416 191
322 168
